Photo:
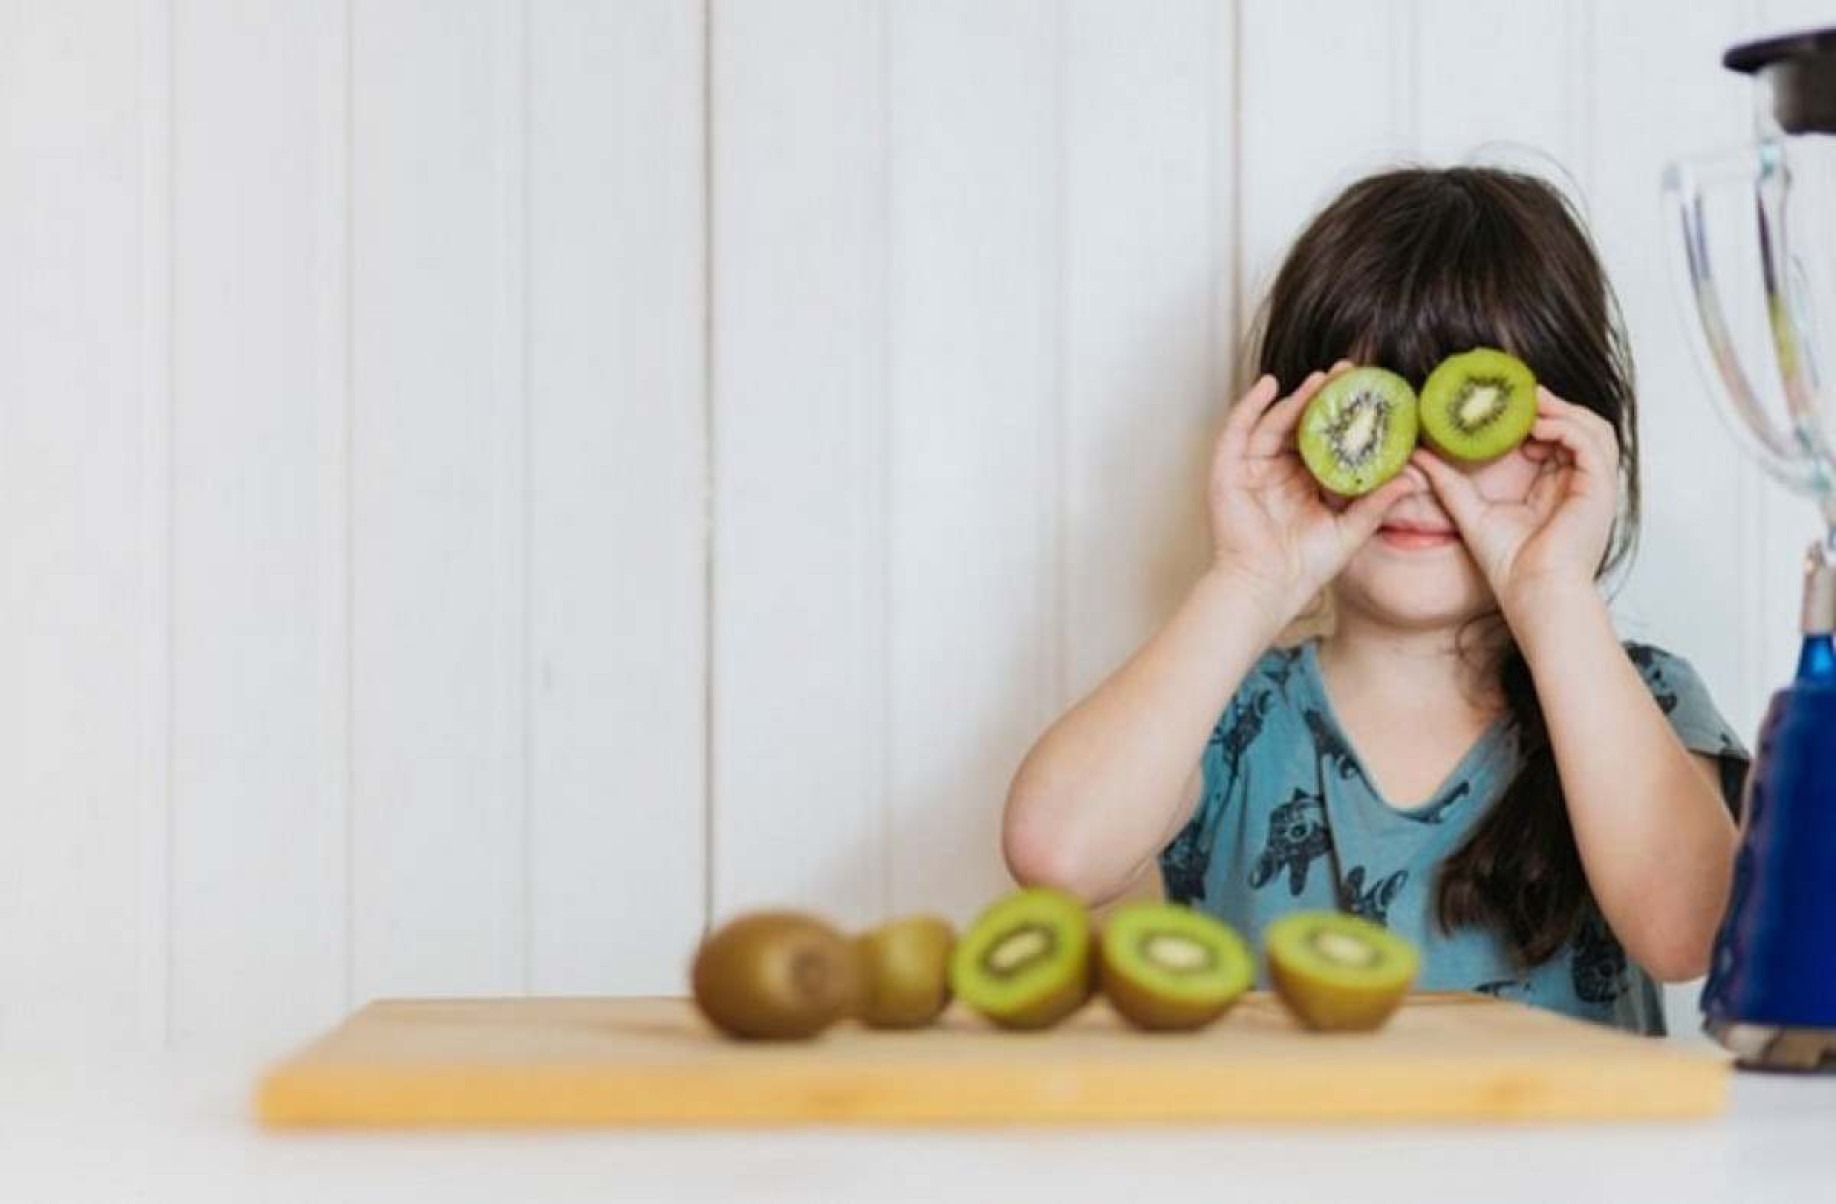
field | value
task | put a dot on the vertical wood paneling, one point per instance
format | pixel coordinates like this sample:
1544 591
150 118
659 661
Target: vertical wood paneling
1493 78
1698 496
1677 102
253 825
438 819
333 396
799 236
512 729
158 521
81 396
1302 141
369 376
618 463
1148 340
973 403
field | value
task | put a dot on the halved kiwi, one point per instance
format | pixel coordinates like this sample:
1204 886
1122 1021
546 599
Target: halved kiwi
1338 971
775 975
1478 405
905 971
1358 430
1026 962
1167 967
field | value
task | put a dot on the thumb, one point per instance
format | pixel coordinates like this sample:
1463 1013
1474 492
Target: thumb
1456 493
1361 519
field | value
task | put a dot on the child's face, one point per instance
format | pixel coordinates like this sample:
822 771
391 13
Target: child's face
1415 572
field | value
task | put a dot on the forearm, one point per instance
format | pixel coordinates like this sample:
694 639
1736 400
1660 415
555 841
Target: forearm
1099 791
1654 837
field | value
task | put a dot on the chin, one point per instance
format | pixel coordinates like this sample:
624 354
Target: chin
1440 590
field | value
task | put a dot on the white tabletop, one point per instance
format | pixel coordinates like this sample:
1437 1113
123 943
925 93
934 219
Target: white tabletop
179 1130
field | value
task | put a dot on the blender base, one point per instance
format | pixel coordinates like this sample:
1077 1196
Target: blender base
1777 1047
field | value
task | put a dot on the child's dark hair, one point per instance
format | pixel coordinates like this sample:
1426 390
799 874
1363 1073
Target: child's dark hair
1407 267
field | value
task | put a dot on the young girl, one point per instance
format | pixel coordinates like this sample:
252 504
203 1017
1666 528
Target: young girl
1470 756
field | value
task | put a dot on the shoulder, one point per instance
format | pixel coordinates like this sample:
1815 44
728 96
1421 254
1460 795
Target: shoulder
1272 684
1664 672
1670 677
1268 694
1685 699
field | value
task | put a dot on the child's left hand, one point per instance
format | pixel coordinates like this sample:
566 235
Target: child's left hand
1557 533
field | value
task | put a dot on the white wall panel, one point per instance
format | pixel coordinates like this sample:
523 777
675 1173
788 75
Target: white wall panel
84 402
976 153
487 487
1150 309
1325 95
439 850
618 525
1697 495
258 780
1494 78
799 230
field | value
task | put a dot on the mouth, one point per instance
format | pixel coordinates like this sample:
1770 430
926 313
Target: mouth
1412 537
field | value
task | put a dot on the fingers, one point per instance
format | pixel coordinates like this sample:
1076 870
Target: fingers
1250 406
1243 415
1548 405
1272 433
1455 491
1361 519
1570 439
1546 490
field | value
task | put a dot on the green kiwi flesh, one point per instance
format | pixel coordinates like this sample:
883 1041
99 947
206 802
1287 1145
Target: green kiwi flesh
1358 430
775 976
905 972
1165 967
1478 405
1026 961
1338 972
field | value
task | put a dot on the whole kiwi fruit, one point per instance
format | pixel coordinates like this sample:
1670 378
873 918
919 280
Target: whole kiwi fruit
1358 430
776 975
905 971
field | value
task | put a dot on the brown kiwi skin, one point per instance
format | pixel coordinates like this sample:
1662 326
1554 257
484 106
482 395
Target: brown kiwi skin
1061 1005
1335 1006
905 972
1335 1009
776 975
1156 1013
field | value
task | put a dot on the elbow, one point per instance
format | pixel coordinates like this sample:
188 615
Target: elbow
1040 852
1678 958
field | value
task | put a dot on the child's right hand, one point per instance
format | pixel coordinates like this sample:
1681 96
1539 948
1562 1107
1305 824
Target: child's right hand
1272 528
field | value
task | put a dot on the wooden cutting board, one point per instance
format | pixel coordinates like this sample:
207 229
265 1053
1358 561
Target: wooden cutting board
654 1062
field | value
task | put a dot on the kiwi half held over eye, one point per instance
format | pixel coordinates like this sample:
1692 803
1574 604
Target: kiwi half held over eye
1358 430
1478 405
1167 968
1026 961
1338 972
776 975
905 972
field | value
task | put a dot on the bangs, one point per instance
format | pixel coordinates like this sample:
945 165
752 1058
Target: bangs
1409 268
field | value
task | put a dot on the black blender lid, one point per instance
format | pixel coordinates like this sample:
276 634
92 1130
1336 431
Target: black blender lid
1749 57
1801 69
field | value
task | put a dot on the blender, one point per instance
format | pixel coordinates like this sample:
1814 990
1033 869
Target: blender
1771 990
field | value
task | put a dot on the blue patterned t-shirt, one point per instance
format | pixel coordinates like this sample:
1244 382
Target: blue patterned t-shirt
1289 820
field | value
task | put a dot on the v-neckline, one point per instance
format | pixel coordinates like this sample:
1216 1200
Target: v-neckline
1483 748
